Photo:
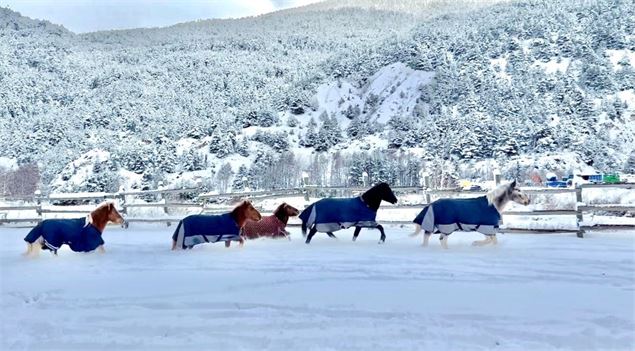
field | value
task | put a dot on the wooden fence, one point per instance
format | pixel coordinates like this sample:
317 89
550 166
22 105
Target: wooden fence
44 206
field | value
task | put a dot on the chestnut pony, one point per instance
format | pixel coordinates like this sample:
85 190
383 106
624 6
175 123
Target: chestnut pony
81 234
197 229
271 226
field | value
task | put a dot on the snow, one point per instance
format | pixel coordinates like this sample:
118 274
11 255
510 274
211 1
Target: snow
554 65
9 164
616 55
397 87
537 292
335 97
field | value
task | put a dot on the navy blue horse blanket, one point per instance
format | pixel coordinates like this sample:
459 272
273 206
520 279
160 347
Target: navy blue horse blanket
330 215
77 233
448 215
197 229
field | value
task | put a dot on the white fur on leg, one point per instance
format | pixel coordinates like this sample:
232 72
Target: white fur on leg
426 238
101 249
33 249
487 240
494 239
417 230
444 241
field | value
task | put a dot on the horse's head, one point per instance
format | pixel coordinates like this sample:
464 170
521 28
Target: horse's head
516 195
114 215
248 211
386 193
106 213
289 210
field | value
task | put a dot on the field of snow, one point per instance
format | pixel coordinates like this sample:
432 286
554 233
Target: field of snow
531 292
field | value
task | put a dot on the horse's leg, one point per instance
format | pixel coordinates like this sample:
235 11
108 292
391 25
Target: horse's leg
173 245
241 242
331 235
303 229
426 238
310 236
487 240
494 239
356 233
382 239
29 249
444 241
101 249
417 230
227 243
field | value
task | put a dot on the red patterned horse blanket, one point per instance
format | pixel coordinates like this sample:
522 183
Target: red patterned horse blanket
269 226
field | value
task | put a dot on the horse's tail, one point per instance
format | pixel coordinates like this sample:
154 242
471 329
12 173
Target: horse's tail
178 234
305 216
34 234
421 215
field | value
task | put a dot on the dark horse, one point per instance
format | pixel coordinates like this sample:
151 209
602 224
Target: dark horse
329 215
197 229
273 226
81 234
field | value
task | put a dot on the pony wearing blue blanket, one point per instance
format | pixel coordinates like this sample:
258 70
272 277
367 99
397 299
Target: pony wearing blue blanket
481 214
329 215
80 234
198 229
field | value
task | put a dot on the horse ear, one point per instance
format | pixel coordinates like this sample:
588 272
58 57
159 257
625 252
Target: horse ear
110 206
513 184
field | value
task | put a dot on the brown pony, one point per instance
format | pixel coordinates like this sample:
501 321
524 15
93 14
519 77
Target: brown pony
271 226
81 234
198 229
104 214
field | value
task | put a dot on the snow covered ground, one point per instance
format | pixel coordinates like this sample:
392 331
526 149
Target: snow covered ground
531 292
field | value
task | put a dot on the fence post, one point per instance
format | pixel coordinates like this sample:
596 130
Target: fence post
579 218
497 177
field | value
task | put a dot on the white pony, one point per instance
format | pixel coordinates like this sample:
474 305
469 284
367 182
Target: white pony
481 214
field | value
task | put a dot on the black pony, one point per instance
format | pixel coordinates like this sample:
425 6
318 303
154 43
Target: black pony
329 215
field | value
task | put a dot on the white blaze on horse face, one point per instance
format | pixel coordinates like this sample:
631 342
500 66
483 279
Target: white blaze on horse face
520 197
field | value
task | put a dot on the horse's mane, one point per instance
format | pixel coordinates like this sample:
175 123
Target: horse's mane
99 216
372 197
279 210
496 193
238 207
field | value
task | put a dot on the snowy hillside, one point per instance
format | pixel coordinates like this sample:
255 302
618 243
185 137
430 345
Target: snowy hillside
335 89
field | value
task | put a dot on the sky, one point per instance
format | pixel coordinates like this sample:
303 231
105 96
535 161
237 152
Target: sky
82 16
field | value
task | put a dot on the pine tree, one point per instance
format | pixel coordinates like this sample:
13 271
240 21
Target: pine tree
629 166
241 178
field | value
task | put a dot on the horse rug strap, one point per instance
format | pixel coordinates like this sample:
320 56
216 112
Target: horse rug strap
198 229
449 215
79 234
267 226
330 215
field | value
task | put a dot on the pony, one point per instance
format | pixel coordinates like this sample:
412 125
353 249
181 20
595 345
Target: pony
481 214
80 234
329 215
197 229
271 226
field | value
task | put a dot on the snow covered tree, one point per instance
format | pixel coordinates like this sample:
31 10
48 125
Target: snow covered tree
241 178
191 160
629 166
223 176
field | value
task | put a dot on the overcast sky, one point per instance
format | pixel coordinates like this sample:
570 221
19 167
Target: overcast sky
82 16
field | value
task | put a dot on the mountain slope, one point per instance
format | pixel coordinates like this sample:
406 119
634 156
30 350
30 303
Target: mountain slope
412 89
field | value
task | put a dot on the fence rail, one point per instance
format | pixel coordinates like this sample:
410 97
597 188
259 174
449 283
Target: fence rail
200 202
